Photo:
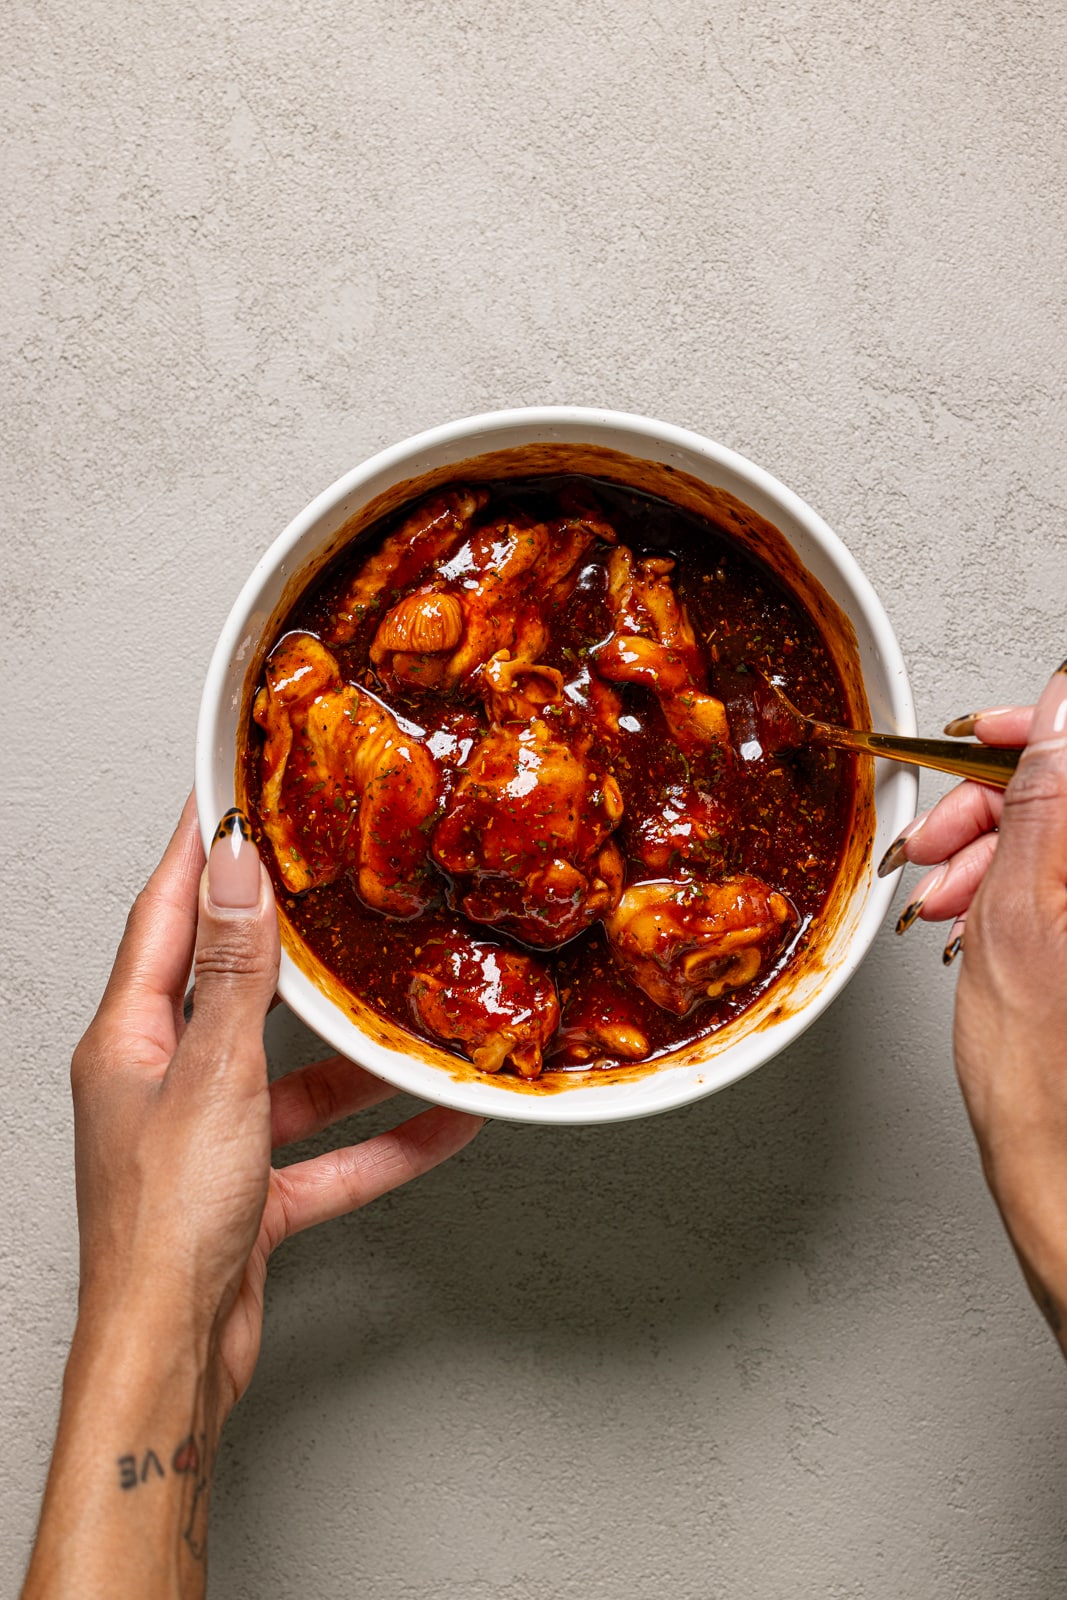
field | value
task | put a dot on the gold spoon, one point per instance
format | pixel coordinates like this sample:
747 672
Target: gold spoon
981 762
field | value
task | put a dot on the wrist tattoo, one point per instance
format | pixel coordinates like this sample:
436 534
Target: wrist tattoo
135 1470
189 1461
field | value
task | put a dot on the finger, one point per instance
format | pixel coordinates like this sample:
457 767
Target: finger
1033 825
237 954
315 1097
968 810
343 1180
147 983
187 1004
965 813
1006 726
949 890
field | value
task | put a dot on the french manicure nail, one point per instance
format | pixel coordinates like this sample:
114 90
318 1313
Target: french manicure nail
955 942
233 865
894 857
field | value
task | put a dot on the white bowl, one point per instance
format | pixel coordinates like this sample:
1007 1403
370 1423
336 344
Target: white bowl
680 464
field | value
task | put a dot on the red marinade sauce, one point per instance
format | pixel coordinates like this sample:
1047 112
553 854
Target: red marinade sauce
788 814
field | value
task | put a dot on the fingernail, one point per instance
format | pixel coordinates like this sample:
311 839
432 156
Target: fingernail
233 865
894 857
1050 713
955 942
964 727
909 915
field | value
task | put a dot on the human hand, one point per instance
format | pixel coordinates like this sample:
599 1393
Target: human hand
1011 1009
175 1123
179 1210
957 836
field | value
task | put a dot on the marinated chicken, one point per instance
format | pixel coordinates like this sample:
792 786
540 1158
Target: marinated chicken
498 590
684 825
525 834
600 1024
689 940
434 529
654 645
343 789
597 700
504 800
498 1005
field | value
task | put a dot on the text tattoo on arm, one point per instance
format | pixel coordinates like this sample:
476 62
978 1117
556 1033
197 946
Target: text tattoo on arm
188 1460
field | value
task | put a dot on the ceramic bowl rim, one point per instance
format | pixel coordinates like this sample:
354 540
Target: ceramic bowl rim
673 1086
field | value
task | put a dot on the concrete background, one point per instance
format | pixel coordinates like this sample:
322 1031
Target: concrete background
776 1345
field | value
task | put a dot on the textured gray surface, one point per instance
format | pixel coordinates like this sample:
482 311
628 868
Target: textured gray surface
770 1347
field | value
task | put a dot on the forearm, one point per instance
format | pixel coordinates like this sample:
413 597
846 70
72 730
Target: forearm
1027 1178
125 1507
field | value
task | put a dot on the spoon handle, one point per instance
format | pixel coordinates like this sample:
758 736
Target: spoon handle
983 763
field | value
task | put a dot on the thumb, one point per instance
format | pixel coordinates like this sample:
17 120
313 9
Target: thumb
236 961
1032 848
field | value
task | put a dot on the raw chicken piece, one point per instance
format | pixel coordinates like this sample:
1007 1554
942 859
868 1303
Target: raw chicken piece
654 645
432 530
518 690
525 832
498 591
599 700
499 1005
684 941
344 789
683 824
600 1024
